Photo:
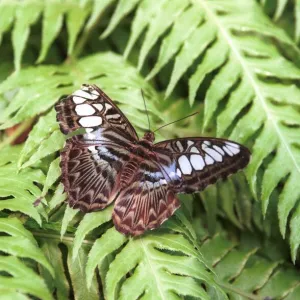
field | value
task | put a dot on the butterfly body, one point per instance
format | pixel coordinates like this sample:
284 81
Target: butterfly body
110 163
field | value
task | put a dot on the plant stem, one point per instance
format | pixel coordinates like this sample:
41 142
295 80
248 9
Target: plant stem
66 239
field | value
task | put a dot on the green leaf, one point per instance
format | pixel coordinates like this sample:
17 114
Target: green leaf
23 279
52 24
123 8
78 278
58 197
21 243
110 241
7 16
19 189
26 15
14 227
76 17
88 223
41 87
39 135
52 175
160 22
59 281
69 214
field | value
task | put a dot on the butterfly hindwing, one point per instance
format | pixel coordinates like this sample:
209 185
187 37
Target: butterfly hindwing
191 164
146 203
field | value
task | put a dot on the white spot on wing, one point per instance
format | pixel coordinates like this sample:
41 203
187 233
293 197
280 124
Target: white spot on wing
197 162
98 106
194 150
84 110
163 181
233 145
84 94
94 92
190 143
214 154
90 121
208 160
172 174
107 107
185 165
217 148
89 133
115 116
179 145
94 152
234 150
227 151
208 143
78 100
178 172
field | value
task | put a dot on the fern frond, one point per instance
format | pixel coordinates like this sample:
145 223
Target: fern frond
167 256
286 12
19 244
254 92
37 93
19 190
69 276
249 272
23 15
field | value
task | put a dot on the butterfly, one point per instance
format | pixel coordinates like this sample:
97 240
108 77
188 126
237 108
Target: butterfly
108 162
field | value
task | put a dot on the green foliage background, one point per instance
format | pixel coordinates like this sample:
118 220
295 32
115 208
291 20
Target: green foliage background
235 61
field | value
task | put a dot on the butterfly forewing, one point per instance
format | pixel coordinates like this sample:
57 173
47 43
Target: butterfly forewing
191 164
90 162
92 109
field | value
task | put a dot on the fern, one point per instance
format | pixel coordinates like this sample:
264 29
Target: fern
240 70
279 12
254 82
247 272
19 242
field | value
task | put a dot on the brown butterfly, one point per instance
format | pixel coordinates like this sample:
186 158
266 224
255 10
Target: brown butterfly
110 163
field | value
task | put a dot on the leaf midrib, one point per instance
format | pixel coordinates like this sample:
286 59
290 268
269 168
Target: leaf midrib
250 78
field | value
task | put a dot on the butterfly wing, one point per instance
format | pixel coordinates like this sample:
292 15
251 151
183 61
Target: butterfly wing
88 174
146 203
191 164
92 109
90 162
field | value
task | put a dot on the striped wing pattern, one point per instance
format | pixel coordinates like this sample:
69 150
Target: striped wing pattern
109 163
147 202
89 172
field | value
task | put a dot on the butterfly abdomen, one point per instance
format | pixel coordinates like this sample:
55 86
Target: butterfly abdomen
128 173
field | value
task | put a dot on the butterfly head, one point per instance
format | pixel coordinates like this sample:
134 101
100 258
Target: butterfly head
149 136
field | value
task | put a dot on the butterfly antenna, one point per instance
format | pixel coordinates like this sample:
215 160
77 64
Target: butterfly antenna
195 113
146 109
